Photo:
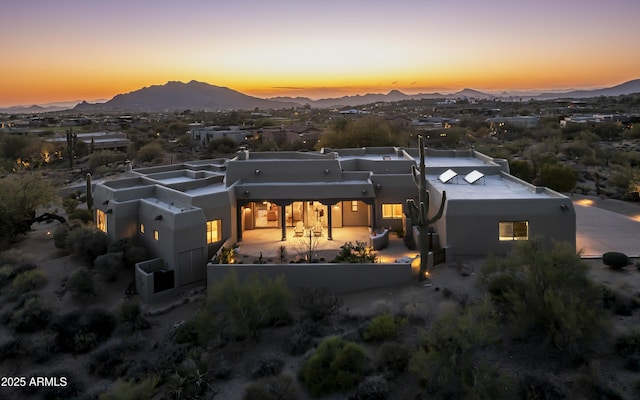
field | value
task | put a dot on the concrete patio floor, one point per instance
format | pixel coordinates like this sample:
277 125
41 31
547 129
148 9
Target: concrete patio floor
268 241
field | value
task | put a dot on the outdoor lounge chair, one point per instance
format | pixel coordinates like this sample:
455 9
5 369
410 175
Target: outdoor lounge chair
299 229
317 229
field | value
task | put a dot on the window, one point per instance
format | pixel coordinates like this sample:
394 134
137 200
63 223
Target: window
156 236
141 228
354 206
214 231
392 211
101 220
514 230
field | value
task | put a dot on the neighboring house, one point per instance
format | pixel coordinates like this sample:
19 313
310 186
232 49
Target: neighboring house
183 213
95 140
291 134
204 135
524 121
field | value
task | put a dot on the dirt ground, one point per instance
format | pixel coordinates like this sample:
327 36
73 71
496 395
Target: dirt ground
448 283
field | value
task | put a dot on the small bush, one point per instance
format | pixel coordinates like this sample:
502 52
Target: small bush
372 388
109 265
383 327
531 387
60 236
355 253
273 388
107 360
242 310
82 215
628 344
615 260
299 340
11 348
335 365
130 313
82 330
189 380
318 303
267 365
87 243
394 357
81 284
132 390
25 282
34 315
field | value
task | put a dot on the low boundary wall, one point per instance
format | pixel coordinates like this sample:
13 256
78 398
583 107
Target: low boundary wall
339 278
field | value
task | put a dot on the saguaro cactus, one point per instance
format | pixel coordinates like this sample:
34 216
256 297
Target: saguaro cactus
419 213
89 193
72 138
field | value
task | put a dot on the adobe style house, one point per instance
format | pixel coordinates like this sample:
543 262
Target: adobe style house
184 213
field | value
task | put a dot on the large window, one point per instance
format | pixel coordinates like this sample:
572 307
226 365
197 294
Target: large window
514 230
214 231
101 220
392 211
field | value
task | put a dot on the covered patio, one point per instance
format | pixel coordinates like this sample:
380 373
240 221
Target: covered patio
267 242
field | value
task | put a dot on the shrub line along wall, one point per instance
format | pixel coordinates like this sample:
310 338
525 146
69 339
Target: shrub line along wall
339 278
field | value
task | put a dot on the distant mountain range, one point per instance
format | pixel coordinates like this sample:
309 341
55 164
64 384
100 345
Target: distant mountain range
196 95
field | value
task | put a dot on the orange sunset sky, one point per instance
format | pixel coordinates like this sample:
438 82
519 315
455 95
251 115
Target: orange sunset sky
70 50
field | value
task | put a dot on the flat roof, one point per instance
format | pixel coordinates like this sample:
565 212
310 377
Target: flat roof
490 187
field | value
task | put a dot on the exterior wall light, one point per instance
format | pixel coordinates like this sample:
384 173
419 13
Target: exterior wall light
109 211
378 186
364 191
257 172
246 193
564 207
158 218
326 172
105 202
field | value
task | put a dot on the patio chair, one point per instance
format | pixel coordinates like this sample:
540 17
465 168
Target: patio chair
299 229
317 229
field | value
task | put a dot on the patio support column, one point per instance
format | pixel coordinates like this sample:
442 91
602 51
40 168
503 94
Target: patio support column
329 221
239 222
372 207
283 222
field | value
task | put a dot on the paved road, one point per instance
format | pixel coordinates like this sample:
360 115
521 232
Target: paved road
607 225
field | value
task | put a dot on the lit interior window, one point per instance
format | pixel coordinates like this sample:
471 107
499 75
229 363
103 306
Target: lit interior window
141 228
514 230
392 210
354 206
101 220
155 235
214 231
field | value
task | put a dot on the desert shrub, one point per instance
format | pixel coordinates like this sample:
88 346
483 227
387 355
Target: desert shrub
267 365
87 243
132 390
449 347
279 387
9 271
41 346
81 284
107 360
301 335
60 236
355 253
82 215
186 333
32 316
615 260
383 327
188 380
10 348
372 388
109 265
239 310
130 314
628 344
394 357
335 365
150 152
25 282
80 331
71 390
318 303
546 294
535 388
